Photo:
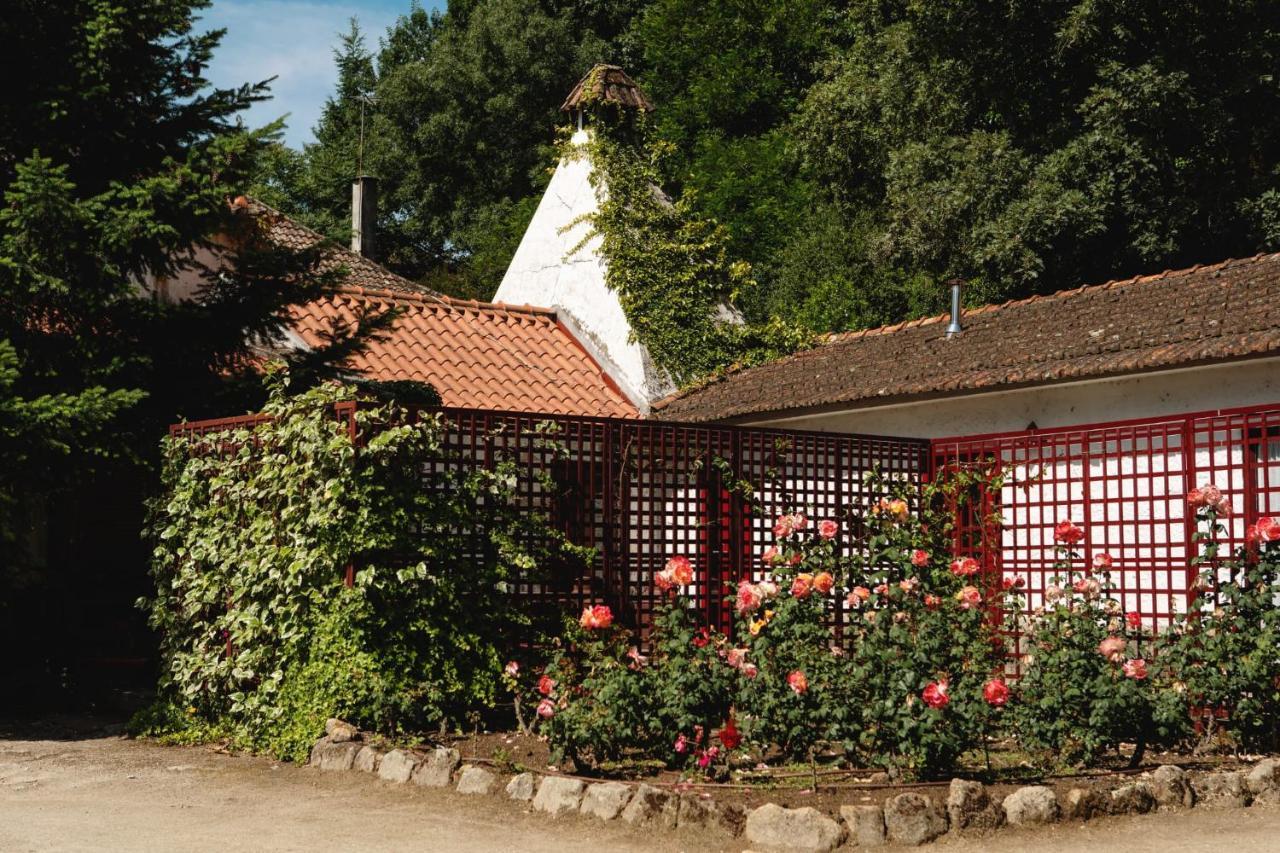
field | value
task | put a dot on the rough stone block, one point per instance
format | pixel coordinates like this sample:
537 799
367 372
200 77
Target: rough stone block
521 787
913 818
436 770
336 756
969 807
476 780
1171 787
339 731
652 806
1084 804
1031 805
367 759
397 766
1264 776
1222 790
557 795
605 800
1134 798
865 825
775 828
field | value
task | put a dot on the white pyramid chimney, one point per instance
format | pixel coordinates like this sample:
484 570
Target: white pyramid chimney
554 268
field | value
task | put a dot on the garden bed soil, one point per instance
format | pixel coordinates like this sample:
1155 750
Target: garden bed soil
792 787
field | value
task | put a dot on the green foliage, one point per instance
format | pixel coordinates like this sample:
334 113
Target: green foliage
671 268
1032 146
252 539
1079 698
1221 660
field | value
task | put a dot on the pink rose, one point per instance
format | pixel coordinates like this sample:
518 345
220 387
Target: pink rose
1102 562
768 590
965 567
1135 668
596 617
681 744
857 595
546 684
932 601
799 522
1264 530
828 529
681 570
749 598
749 670
1112 648
546 709
969 597
802 585
784 526
771 555
664 581
909 585
512 669
919 558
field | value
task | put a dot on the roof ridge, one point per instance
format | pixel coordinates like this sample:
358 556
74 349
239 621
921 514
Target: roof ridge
451 302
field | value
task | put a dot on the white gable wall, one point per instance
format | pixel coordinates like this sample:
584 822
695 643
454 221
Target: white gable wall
547 272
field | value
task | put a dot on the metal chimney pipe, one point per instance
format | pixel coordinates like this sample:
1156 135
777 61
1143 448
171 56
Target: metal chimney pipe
364 213
954 328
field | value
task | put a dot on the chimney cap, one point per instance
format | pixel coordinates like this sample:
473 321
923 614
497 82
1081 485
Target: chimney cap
607 84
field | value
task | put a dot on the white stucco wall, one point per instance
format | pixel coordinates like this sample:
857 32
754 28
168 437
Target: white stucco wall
1172 392
546 271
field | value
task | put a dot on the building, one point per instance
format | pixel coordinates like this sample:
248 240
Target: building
1193 340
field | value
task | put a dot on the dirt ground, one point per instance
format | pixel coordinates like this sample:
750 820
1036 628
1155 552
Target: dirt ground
84 789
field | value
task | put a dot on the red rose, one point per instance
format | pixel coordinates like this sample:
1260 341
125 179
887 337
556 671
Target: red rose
664 581
828 529
919 558
996 692
1134 618
546 684
932 601
802 585
797 681
729 736
935 694
965 567
969 597
1067 533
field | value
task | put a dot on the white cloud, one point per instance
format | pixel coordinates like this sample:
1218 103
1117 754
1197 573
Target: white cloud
292 40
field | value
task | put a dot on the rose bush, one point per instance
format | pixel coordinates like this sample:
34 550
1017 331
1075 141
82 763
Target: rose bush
1221 660
1084 690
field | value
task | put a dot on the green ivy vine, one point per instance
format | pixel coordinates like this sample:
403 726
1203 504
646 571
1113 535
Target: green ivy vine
670 267
261 640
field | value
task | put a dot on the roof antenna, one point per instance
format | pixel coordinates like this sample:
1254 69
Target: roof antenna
954 328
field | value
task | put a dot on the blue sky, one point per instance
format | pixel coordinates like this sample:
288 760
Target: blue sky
292 40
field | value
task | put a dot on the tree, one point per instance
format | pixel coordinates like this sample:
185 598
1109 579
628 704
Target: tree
1031 146
117 165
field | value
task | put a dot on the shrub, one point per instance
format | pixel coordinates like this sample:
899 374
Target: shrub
259 638
1084 690
1221 660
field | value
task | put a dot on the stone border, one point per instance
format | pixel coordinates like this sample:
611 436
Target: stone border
910 818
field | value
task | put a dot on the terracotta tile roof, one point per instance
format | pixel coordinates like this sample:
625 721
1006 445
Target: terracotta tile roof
476 354
1229 310
361 271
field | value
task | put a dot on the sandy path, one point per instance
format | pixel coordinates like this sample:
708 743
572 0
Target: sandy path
109 793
